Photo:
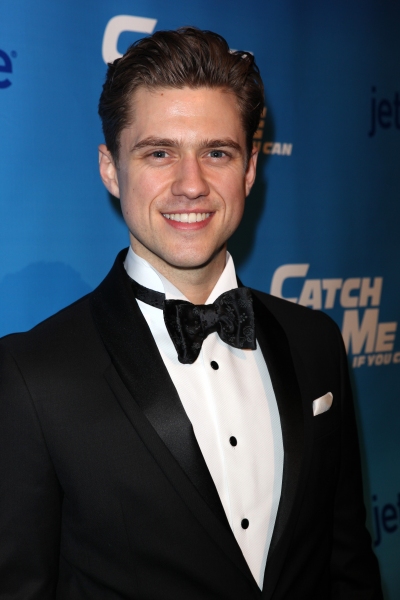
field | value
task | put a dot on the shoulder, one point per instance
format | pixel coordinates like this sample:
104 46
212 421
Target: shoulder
71 339
290 314
51 328
67 338
303 327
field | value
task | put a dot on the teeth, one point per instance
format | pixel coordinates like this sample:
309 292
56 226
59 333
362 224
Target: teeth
187 217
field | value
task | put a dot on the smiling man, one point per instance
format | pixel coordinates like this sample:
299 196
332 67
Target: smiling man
182 174
175 435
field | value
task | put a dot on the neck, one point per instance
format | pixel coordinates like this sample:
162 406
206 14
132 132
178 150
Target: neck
195 283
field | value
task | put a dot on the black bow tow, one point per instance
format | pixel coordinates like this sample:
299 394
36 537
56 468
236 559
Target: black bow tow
231 316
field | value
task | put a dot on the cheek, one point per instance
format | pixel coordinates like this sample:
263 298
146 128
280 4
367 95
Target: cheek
144 191
231 187
235 200
133 198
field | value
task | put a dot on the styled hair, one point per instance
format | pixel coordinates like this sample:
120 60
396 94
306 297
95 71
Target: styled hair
186 57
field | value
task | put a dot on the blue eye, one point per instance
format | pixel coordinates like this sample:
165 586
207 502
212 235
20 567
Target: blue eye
217 153
159 154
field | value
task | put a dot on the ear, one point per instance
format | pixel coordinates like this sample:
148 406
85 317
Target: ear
251 170
108 171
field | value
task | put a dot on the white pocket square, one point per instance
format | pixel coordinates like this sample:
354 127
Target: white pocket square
321 405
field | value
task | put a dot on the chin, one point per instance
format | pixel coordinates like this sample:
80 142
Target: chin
188 263
191 260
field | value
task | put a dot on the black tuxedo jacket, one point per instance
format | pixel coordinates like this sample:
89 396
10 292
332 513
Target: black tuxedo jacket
105 493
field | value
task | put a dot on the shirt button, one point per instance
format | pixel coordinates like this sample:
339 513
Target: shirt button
214 365
233 441
245 523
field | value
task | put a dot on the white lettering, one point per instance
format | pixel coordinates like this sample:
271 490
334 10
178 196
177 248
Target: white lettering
116 26
331 286
387 359
377 359
286 272
374 292
385 337
362 333
287 149
346 300
311 294
276 148
283 149
361 360
356 336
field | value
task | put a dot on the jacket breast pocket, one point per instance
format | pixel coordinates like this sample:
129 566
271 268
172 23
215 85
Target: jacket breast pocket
326 422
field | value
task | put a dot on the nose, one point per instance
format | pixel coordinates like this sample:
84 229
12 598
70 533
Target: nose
190 181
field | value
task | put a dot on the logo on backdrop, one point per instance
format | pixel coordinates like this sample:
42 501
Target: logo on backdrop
368 340
118 25
122 23
385 112
386 518
267 147
6 68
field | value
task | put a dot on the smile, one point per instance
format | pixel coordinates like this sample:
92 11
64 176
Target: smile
187 217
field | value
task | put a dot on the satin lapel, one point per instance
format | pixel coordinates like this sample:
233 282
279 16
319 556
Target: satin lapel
146 382
276 352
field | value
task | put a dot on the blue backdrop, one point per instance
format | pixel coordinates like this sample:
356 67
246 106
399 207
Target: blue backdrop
322 222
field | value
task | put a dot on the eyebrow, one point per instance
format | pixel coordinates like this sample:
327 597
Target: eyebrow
155 142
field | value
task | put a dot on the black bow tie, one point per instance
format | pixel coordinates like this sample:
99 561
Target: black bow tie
231 316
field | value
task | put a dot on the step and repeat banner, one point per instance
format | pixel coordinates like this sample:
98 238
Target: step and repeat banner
322 222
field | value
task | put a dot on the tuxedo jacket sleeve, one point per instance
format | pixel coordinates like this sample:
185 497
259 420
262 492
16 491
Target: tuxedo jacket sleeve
104 490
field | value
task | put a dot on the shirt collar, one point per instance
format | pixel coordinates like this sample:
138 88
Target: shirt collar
141 271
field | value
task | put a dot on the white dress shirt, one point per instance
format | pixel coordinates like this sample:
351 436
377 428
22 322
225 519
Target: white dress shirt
234 415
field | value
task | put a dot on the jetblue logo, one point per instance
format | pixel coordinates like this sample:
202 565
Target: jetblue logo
6 69
385 112
118 25
370 341
386 518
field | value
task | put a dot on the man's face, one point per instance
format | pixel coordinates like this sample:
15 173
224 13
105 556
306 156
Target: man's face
182 175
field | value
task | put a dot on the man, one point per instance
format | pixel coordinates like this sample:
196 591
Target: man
152 449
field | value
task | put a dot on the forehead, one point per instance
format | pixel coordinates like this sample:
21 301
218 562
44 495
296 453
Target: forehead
186 113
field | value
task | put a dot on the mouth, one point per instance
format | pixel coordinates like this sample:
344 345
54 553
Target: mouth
191 217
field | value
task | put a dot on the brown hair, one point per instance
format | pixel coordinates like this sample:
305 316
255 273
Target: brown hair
185 57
